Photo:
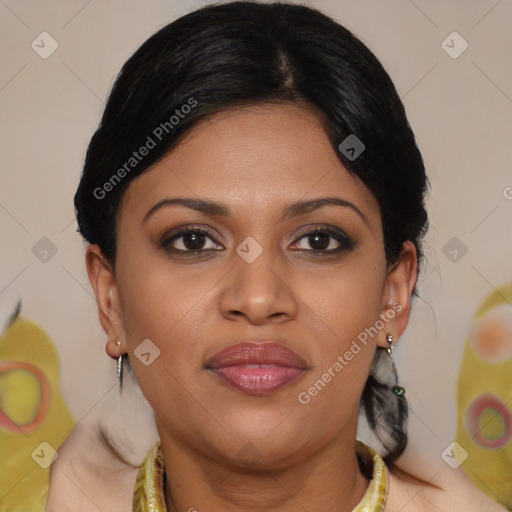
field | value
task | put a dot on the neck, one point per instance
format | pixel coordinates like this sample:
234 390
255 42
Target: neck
328 479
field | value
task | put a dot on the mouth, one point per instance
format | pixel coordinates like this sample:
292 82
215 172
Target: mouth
257 368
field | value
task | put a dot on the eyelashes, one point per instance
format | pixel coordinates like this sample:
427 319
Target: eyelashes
194 236
192 241
321 235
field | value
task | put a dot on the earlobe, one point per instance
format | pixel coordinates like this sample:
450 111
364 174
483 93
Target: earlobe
400 284
103 282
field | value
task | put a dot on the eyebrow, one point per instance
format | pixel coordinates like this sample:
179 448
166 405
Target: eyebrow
215 209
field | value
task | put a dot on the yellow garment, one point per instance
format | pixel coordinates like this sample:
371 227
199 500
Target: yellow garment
34 419
484 399
149 495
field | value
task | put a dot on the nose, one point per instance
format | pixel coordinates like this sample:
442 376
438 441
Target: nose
260 291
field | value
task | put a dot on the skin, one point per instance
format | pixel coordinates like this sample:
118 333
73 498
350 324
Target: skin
256 161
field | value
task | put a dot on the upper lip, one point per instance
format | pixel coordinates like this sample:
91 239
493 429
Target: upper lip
256 352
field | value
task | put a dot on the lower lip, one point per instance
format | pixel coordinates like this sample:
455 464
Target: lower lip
264 379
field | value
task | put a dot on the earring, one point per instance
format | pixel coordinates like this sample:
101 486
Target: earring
398 390
119 365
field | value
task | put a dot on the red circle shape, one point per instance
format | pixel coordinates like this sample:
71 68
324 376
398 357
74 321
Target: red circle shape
476 408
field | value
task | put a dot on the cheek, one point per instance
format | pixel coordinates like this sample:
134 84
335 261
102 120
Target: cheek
164 309
153 291
346 309
173 307
347 301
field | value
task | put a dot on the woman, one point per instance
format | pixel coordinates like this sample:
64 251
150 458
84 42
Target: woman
254 204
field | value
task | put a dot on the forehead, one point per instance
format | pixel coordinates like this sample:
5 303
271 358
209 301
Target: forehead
256 159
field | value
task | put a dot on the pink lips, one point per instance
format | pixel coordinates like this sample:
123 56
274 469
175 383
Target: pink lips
257 368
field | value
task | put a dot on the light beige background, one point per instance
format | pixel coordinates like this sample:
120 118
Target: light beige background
460 110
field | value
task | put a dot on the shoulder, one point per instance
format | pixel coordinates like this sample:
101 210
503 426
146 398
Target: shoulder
79 474
445 492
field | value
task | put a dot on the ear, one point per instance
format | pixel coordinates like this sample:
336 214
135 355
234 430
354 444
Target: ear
397 294
102 278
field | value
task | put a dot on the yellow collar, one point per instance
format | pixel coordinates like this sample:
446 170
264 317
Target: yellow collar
148 495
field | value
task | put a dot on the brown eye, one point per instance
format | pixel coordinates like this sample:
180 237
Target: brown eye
189 240
325 241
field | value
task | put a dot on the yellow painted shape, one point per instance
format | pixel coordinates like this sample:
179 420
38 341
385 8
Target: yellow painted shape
24 482
20 395
490 469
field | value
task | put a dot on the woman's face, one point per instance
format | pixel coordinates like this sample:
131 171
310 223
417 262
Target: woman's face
256 277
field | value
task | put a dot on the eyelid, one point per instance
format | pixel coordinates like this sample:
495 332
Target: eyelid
320 227
178 233
346 241
182 229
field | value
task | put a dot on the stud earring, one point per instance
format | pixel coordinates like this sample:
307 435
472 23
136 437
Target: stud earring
398 390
